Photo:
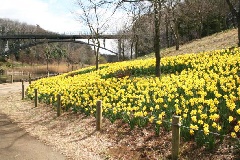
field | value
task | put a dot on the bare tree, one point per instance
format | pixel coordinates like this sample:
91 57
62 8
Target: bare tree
94 16
157 18
172 20
157 7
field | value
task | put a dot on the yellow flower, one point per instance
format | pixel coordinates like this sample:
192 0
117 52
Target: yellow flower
206 130
159 122
194 127
230 119
236 128
200 122
194 118
193 112
203 116
214 117
161 115
238 111
233 135
145 113
151 119
214 125
191 132
185 115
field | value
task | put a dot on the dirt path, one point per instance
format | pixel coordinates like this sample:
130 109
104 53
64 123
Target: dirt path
15 142
73 135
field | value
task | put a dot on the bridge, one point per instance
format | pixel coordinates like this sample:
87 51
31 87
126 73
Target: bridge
61 36
53 38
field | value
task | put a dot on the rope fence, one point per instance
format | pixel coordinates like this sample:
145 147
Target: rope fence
200 130
175 124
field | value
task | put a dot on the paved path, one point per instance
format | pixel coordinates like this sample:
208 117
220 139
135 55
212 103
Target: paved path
15 143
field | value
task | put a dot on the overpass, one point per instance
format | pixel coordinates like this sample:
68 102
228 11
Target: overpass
60 36
51 38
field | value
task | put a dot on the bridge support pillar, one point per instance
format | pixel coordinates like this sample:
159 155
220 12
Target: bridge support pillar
2 46
104 43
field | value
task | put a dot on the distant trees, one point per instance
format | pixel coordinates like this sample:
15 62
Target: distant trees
235 12
54 52
201 18
182 21
57 52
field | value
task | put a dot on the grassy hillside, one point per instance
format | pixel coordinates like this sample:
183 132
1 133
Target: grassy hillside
220 40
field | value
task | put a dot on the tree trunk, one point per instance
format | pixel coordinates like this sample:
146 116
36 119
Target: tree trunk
136 47
47 65
167 32
119 48
239 31
97 54
123 51
131 50
157 7
177 35
97 60
238 22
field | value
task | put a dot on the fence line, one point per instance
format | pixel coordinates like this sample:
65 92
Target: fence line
176 124
21 73
210 132
99 115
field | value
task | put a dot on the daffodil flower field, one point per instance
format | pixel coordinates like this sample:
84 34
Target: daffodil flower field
203 88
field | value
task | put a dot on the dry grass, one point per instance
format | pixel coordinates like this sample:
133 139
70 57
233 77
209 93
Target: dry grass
42 69
220 40
22 72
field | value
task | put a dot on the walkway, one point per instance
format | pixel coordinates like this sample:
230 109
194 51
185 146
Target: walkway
15 143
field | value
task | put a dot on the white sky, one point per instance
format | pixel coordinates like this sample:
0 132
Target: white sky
52 15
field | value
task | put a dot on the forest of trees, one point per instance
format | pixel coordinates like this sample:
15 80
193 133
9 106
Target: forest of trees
181 21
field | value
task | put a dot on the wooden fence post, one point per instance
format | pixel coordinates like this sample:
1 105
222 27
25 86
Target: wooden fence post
11 78
99 115
23 94
175 136
36 97
29 78
58 105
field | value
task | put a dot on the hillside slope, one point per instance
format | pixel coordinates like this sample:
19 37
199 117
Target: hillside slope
216 41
